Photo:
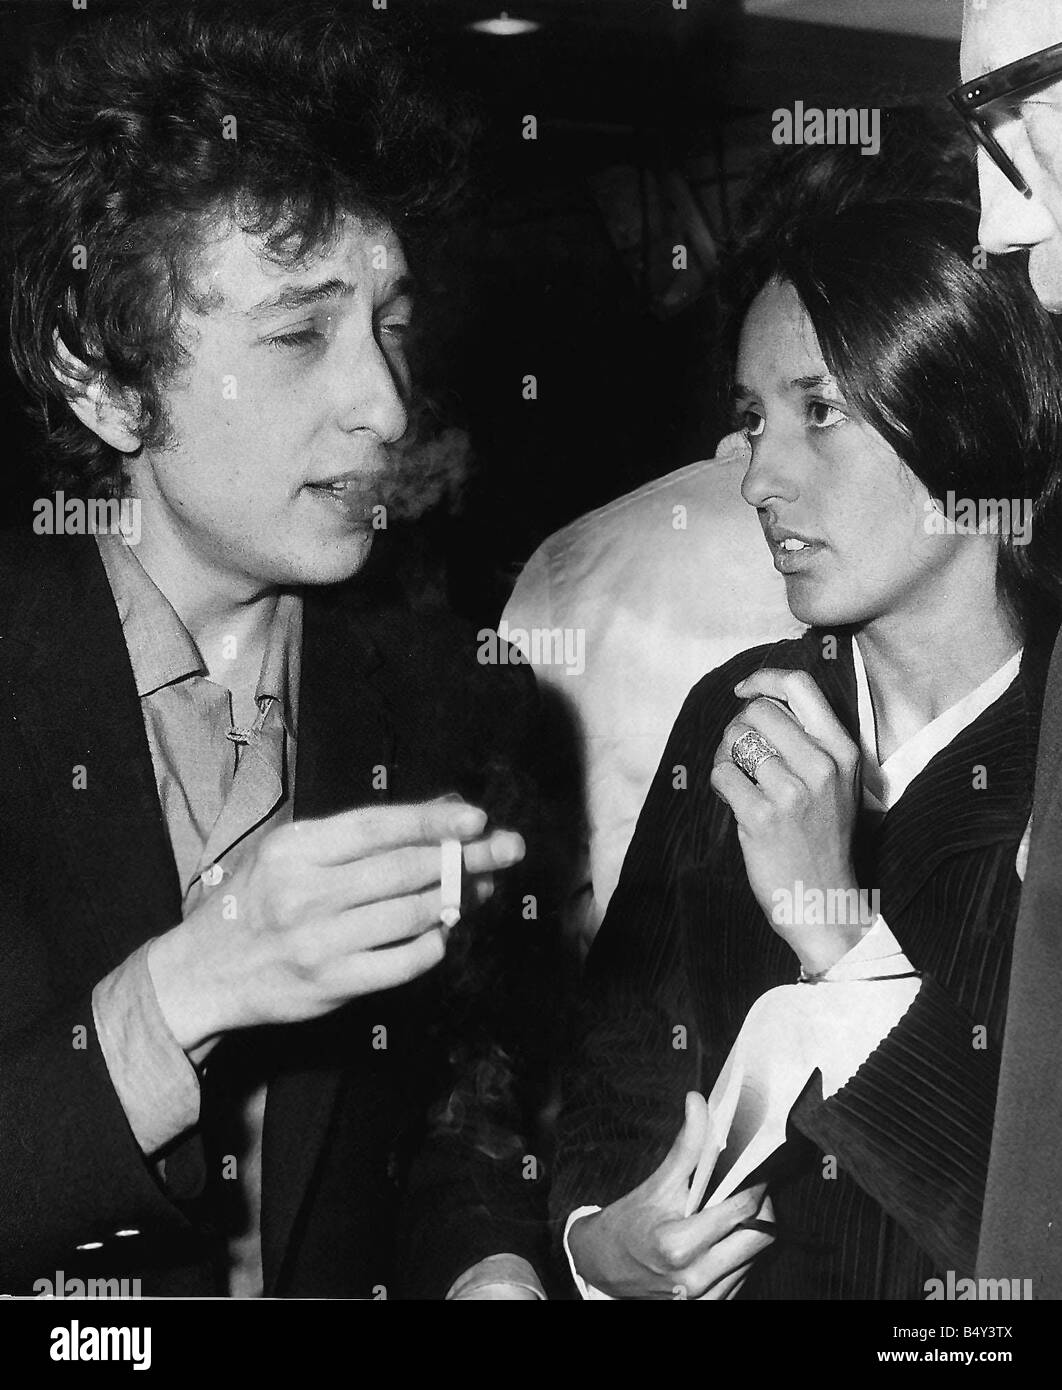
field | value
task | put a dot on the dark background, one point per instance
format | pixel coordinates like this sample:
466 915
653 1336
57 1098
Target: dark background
649 120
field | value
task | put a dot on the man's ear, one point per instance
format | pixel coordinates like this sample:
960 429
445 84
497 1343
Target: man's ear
109 413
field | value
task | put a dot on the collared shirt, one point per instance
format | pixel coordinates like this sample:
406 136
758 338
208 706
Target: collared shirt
218 797
885 782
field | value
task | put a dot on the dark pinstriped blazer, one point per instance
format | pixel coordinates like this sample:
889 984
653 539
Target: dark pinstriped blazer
685 943
1022 1232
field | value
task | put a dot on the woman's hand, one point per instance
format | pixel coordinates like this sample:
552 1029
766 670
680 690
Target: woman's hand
795 821
644 1246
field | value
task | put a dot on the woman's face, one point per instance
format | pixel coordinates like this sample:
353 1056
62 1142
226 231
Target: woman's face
845 519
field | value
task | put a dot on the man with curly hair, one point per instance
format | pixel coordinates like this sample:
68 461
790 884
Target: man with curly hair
230 772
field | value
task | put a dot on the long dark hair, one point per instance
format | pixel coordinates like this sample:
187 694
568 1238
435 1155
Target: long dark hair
946 352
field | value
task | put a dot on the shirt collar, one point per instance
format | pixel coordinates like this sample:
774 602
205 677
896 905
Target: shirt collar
279 677
884 783
161 649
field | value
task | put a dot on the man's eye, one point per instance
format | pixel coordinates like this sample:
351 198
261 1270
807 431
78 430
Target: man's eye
823 416
751 422
302 337
398 329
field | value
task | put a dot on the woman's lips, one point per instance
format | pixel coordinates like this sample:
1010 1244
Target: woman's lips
793 554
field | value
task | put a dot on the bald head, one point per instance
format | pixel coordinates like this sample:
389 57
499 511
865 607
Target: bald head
996 32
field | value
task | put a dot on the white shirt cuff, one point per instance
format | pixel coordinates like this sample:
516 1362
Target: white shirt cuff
586 1291
876 955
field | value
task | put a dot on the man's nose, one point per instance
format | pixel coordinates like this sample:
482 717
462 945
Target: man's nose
1009 221
377 391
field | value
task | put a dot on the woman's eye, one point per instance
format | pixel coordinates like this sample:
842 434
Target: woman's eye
823 416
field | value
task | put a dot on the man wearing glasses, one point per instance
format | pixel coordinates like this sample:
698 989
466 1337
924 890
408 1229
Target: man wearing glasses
1011 97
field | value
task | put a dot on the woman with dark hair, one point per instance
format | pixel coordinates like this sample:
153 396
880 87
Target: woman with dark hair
814 920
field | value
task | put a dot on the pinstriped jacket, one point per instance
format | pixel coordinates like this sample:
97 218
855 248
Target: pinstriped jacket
685 943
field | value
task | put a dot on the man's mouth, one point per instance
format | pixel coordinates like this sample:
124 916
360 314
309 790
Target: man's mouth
354 494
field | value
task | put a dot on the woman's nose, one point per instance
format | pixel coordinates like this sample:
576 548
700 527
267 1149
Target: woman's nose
771 472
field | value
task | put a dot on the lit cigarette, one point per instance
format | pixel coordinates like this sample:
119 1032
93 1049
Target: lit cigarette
451 852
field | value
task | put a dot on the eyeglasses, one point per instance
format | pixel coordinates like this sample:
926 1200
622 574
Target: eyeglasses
1015 79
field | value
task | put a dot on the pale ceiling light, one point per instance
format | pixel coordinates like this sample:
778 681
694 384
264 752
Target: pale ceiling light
505 26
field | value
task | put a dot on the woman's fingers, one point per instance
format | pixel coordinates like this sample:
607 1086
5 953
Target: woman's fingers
807 702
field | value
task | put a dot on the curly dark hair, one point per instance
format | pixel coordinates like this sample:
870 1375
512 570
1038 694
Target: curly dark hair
118 158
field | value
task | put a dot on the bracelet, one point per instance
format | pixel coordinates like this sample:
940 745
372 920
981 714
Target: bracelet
813 977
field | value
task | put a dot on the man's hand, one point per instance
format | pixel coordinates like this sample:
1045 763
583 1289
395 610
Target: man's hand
325 911
795 822
644 1246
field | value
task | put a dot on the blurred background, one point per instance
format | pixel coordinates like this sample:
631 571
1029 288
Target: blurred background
649 120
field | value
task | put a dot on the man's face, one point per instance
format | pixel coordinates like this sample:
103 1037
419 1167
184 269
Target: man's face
296 383
996 32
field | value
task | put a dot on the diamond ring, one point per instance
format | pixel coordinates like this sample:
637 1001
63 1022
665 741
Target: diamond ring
750 750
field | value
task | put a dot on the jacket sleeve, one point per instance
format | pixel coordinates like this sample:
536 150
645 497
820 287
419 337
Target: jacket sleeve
71 1171
914 1124
634 1052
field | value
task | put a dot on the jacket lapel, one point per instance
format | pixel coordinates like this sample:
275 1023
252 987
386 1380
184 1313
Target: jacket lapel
345 732
975 793
75 697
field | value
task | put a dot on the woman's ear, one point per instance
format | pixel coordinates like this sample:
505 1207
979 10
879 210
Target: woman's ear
110 413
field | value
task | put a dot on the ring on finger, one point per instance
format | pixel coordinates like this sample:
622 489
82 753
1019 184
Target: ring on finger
750 750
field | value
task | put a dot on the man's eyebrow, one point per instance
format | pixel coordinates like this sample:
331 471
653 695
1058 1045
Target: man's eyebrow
290 297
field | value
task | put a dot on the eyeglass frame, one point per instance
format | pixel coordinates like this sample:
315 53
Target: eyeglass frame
1010 80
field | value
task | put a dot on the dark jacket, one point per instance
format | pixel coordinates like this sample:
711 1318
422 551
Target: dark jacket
685 943
87 874
1022 1233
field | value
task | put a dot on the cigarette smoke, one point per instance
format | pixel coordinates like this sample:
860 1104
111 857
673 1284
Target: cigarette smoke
427 474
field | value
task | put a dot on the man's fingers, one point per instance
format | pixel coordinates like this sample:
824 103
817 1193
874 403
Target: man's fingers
370 830
327 943
401 872
395 965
